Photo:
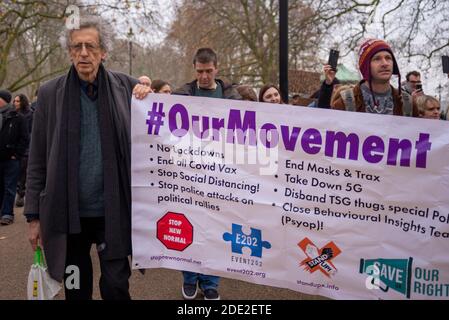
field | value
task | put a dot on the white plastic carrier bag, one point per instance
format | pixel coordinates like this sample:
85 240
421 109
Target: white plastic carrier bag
40 285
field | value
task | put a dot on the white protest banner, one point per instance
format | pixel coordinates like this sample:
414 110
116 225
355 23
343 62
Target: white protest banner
339 204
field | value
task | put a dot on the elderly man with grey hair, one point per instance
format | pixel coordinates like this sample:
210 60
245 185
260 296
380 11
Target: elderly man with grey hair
78 183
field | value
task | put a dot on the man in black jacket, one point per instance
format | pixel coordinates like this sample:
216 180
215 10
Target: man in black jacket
206 83
13 143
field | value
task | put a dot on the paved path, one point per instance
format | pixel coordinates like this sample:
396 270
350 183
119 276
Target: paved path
16 258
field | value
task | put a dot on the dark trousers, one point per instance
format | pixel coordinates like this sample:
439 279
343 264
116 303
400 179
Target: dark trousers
22 177
9 172
114 280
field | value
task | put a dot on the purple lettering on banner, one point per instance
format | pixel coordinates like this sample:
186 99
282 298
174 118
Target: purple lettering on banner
217 125
239 129
373 149
423 145
311 141
204 133
342 143
271 129
405 146
173 125
290 140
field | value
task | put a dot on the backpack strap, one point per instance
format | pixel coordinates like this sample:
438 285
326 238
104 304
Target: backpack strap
407 104
349 99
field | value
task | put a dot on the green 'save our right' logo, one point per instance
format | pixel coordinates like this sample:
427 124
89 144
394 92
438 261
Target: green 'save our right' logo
384 274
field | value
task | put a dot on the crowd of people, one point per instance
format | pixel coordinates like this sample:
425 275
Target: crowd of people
374 94
77 167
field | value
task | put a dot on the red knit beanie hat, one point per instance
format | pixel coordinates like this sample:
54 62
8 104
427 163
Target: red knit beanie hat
367 51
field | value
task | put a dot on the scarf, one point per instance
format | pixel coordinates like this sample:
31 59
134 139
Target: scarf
65 207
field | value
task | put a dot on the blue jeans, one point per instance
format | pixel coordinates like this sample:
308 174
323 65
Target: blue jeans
9 173
205 281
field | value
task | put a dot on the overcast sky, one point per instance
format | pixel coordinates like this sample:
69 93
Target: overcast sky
432 77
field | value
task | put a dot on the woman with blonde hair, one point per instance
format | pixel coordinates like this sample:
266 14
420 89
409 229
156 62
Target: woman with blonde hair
428 107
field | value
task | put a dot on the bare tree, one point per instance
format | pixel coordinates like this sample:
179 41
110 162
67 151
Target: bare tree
418 28
29 31
245 34
20 51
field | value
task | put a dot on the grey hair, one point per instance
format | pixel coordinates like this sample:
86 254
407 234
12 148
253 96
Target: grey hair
104 32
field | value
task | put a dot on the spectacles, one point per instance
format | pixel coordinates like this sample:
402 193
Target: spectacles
78 47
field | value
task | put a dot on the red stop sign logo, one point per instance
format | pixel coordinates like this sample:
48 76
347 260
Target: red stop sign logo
175 231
